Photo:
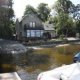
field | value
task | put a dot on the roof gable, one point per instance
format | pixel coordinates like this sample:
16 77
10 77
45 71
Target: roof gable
31 16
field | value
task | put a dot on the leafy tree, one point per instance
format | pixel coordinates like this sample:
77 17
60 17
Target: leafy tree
51 19
65 6
6 15
76 12
64 25
63 22
76 16
29 10
43 11
78 26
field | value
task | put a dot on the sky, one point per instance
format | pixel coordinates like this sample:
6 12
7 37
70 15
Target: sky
20 5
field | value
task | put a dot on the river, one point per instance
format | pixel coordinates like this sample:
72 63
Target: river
43 59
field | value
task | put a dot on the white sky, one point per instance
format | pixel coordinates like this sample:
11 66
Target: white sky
19 5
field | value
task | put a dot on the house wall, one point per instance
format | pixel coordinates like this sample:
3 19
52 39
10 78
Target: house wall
52 32
17 29
50 28
24 30
30 18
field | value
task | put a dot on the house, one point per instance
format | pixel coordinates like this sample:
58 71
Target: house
29 28
49 30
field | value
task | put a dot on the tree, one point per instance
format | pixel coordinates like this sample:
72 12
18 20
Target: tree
76 17
29 10
63 22
78 26
65 6
6 15
51 20
64 25
43 11
76 12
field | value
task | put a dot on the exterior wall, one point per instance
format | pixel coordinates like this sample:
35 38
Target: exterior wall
50 28
26 21
52 32
31 18
24 26
17 29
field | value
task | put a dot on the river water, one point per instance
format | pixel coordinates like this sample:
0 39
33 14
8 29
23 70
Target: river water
43 59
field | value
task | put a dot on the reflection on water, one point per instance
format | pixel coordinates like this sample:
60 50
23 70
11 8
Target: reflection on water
5 68
39 60
55 57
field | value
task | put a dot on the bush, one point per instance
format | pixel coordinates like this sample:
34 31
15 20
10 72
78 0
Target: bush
62 37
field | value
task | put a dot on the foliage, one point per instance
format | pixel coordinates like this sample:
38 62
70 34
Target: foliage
6 15
76 12
63 6
51 20
43 11
78 26
63 22
76 16
29 10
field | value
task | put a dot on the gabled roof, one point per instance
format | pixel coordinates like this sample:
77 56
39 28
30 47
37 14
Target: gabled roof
28 15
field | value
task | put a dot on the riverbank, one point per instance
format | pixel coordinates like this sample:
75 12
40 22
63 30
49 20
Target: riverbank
51 42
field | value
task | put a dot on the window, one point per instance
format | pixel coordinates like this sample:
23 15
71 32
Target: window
28 33
42 32
38 33
32 33
32 24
